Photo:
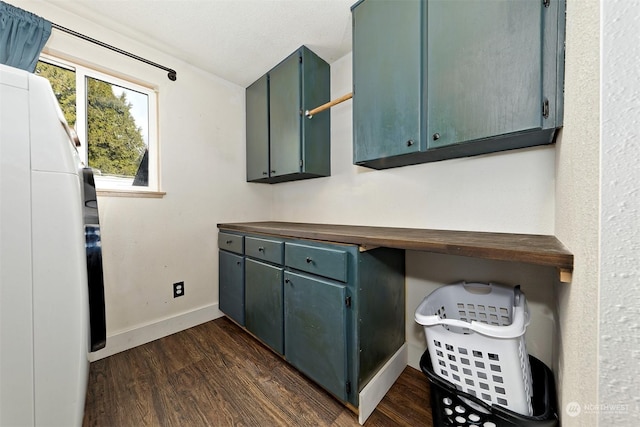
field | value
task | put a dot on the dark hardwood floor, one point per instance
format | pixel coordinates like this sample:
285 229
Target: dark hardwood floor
215 374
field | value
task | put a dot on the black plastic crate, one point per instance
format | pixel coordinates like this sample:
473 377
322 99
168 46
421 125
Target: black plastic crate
451 407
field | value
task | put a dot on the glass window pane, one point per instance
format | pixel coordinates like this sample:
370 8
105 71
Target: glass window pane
117 134
63 83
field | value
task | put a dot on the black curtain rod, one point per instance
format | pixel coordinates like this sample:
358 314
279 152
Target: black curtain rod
171 73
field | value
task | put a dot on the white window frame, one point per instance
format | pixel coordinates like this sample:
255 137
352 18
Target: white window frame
81 73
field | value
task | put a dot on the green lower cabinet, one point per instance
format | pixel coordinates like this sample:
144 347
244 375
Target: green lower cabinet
231 282
333 312
263 303
315 326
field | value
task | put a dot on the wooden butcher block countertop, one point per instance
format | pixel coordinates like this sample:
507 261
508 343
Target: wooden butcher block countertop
528 248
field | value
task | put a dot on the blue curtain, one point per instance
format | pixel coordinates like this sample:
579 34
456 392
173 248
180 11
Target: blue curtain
22 37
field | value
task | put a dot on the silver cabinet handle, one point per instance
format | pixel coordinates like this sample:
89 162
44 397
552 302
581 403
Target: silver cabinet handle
260 249
309 260
229 242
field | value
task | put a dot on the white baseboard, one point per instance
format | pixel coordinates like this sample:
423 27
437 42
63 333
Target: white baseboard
380 384
126 340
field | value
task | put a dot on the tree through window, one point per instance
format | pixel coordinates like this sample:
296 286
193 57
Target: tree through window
115 123
115 141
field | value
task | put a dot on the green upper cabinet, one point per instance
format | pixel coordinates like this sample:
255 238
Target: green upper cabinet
440 79
283 144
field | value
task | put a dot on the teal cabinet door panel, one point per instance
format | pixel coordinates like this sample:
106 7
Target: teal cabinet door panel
486 79
231 285
387 78
553 22
315 330
264 303
284 108
257 107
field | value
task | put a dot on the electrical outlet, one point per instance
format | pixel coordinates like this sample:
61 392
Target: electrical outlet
178 289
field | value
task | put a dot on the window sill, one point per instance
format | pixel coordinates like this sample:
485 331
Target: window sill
131 193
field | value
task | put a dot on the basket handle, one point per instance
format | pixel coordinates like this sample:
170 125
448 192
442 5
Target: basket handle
507 331
477 288
517 294
517 328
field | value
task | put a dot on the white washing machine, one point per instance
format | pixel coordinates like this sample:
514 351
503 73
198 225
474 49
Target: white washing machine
51 285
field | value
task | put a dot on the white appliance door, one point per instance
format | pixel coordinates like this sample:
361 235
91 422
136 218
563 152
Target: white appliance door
93 246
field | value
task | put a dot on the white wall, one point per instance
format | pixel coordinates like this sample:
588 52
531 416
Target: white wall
504 192
619 341
577 218
148 244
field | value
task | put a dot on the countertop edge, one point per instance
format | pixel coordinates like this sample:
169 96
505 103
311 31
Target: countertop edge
535 249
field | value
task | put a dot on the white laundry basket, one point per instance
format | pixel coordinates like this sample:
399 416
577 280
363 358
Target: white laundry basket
475 337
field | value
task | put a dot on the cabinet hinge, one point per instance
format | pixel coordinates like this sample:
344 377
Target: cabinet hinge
348 387
300 57
545 108
347 301
301 162
546 3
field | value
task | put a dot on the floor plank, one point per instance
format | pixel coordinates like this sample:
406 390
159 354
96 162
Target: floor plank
215 374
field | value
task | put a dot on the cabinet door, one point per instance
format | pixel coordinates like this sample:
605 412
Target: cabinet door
316 330
285 116
257 99
231 285
483 68
387 78
264 301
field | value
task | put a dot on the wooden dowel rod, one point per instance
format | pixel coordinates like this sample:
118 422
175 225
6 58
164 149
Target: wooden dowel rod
328 105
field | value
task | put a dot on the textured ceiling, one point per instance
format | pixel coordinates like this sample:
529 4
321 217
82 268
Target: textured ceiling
238 40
